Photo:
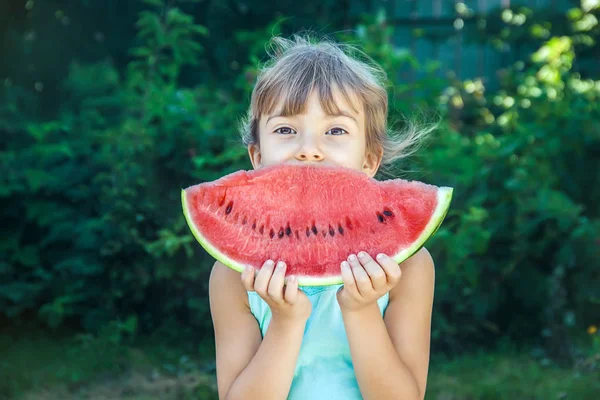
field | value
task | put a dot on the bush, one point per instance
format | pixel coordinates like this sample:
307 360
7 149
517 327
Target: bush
91 200
517 249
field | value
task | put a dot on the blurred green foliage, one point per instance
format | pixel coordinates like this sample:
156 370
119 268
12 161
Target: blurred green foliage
93 233
525 239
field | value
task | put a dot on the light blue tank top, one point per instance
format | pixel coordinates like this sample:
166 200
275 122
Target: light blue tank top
324 369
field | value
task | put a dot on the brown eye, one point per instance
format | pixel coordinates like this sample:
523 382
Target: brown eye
285 131
336 132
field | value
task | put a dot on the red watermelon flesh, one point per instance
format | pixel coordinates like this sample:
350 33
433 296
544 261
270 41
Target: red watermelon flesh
312 218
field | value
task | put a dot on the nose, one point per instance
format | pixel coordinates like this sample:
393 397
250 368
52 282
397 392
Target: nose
309 151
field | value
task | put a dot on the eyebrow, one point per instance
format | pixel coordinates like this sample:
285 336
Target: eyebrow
342 113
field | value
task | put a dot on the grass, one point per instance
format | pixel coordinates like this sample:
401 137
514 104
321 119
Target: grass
39 366
509 376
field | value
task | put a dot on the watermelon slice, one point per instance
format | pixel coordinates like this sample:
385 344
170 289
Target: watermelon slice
312 218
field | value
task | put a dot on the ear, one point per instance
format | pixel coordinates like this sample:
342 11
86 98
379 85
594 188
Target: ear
372 163
255 156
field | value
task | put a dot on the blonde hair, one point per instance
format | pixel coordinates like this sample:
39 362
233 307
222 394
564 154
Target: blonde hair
300 65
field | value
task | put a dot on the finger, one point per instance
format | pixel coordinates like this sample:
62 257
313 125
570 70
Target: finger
291 290
363 282
348 279
275 289
391 268
375 271
261 283
248 278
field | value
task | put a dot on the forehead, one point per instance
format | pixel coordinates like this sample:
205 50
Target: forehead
333 101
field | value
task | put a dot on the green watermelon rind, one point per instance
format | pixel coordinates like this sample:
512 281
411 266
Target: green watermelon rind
444 195
210 249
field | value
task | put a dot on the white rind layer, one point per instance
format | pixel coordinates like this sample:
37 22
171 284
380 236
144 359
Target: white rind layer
444 196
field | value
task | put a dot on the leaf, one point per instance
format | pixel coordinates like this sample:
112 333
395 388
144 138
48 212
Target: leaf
140 52
37 178
54 312
130 325
28 256
20 292
200 29
148 21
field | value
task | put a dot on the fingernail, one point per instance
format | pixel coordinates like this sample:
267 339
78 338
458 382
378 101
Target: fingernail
381 257
345 264
247 269
280 265
362 255
352 257
292 278
270 263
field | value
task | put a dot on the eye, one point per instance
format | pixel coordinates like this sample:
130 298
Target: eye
337 131
285 130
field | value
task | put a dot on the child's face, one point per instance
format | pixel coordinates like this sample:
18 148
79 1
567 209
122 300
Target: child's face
314 138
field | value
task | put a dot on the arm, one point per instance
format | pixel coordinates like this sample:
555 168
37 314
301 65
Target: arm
248 368
391 354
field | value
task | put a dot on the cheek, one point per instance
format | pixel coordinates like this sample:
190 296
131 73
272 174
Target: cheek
273 150
350 154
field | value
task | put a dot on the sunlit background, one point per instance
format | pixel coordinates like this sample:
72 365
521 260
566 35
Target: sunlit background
109 107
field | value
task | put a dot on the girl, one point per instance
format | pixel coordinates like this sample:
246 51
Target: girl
367 338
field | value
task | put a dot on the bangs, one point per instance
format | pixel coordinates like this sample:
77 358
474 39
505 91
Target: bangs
290 88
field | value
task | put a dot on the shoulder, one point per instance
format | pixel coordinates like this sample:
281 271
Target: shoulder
225 287
408 316
418 276
237 333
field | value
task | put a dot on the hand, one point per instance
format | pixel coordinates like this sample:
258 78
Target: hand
287 302
366 280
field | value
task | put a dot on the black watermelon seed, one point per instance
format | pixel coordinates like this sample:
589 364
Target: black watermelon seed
280 234
272 233
340 229
307 232
331 231
380 217
288 231
254 225
314 229
261 230
388 213
229 207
